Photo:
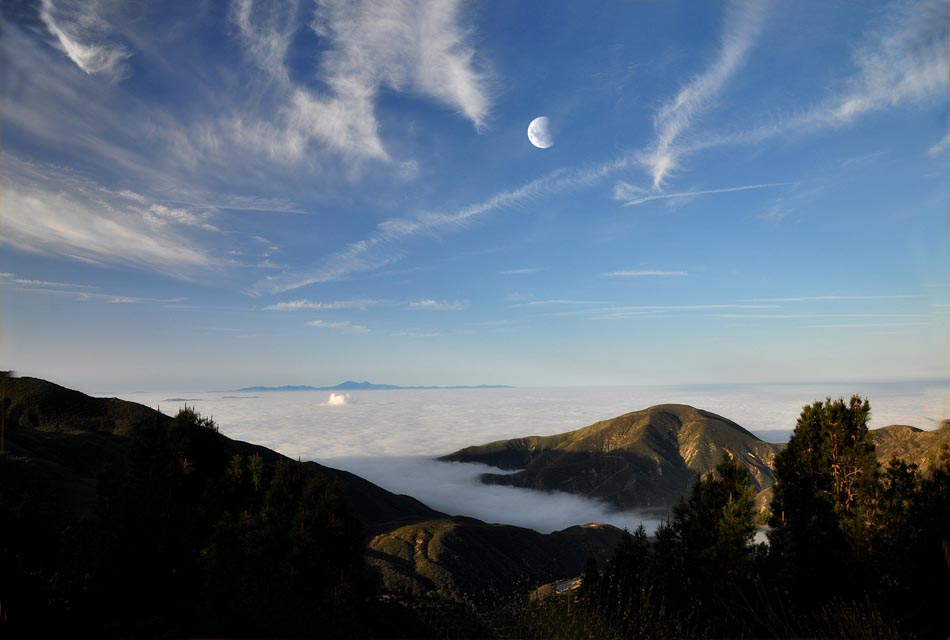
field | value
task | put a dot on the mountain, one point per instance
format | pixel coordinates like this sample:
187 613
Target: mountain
351 385
911 444
70 458
641 459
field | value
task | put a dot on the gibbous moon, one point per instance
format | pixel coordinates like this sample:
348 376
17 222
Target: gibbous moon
539 132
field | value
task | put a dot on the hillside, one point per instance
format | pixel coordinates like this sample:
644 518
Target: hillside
108 467
641 459
911 444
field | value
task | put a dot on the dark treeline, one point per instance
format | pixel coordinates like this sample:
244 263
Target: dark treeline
186 539
856 550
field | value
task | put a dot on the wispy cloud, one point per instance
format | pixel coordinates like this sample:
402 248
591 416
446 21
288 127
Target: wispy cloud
743 24
79 31
795 316
384 244
418 48
901 60
631 196
557 302
301 305
776 213
635 311
868 325
10 278
520 272
267 33
88 296
940 147
437 305
343 325
51 212
839 298
644 273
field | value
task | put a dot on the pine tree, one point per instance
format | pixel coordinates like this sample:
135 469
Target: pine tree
826 485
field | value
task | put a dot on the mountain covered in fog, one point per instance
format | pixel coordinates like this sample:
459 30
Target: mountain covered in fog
351 385
650 458
646 458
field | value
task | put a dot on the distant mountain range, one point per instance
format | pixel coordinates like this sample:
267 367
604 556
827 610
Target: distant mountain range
351 385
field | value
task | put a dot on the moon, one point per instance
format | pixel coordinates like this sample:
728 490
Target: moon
539 132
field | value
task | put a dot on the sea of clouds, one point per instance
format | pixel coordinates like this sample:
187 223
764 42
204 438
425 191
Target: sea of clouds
392 437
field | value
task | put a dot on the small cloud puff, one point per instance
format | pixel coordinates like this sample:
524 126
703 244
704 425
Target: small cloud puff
343 325
336 400
437 305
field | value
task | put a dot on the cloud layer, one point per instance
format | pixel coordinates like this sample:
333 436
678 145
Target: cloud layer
390 437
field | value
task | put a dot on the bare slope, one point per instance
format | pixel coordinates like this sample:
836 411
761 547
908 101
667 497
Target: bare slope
910 443
645 458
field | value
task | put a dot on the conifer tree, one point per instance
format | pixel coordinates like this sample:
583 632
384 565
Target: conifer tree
826 482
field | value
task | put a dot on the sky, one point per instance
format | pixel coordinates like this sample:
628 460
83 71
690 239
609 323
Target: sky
210 195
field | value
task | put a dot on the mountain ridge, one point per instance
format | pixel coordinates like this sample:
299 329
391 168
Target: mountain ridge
641 459
63 445
352 385
649 458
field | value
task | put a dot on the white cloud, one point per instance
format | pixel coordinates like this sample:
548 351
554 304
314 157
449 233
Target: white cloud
868 325
940 146
299 305
776 213
556 302
904 59
87 296
51 212
383 247
641 273
267 34
793 316
520 272
436 305
835 298
10 278
900 61
336 400
642 311
418 48
743 23
343 325
76 25
633 196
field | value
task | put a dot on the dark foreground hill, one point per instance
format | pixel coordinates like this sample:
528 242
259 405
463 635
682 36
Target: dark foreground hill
646 458
122 520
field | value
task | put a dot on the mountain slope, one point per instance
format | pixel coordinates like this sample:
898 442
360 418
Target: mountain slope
910 443
66 449
641 459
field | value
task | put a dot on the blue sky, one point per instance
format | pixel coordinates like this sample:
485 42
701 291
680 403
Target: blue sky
212 194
